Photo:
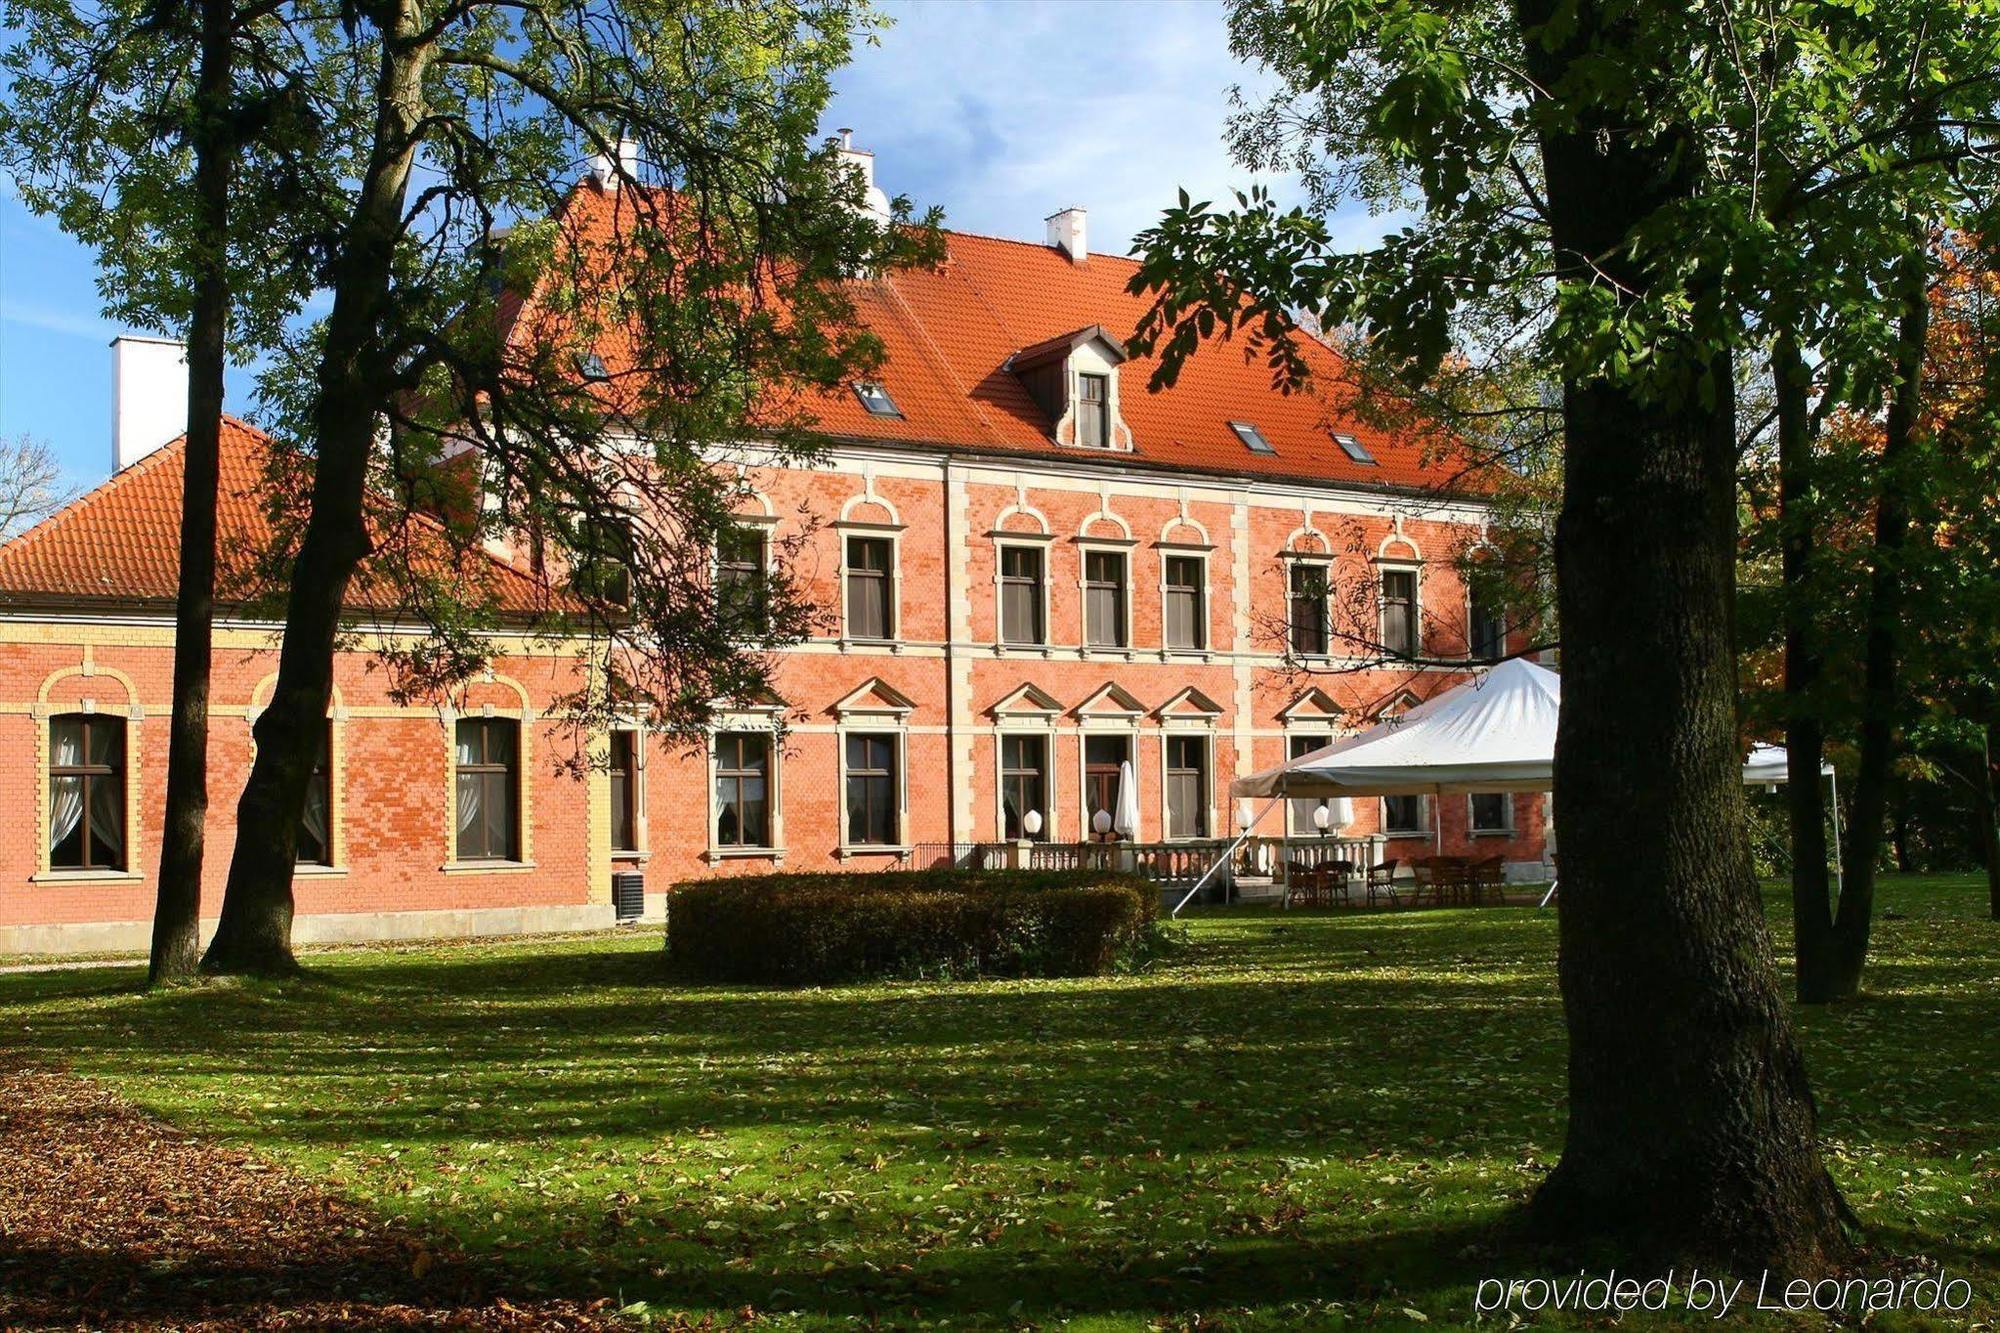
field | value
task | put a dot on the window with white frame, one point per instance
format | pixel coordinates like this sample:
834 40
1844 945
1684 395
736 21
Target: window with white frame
1104 599
871 588
1022 571
743 789
1093 410
1300 808
742 591
1024 784
1187 786
1104 756
1486 624
1492 812
1186 615
1309 617
1400 635
872 798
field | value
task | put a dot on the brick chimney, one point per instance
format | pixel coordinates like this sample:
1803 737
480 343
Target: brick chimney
149 388
1068 233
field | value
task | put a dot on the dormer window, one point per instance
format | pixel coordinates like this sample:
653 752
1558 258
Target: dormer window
1073 378
1354 449
877 400
1253 439
1093 411
592 367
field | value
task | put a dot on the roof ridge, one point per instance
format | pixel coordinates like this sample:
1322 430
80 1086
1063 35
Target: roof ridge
1035 245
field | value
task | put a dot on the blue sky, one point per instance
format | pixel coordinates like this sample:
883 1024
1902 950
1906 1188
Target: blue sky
1001 111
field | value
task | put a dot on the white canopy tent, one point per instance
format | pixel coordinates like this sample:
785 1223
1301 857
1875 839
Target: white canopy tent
1494 733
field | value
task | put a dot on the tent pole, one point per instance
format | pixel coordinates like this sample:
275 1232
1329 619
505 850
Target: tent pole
1223 859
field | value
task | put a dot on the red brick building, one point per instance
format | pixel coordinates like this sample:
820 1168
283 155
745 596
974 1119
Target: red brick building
1036 569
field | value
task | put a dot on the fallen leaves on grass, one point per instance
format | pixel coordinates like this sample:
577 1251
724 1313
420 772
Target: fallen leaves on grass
111 1219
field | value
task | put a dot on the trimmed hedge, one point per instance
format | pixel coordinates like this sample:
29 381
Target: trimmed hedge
809 929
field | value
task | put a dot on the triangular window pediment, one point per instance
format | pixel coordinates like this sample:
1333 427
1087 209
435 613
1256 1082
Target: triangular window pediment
1110 700
1314 705
1191 702
1027 701
875 697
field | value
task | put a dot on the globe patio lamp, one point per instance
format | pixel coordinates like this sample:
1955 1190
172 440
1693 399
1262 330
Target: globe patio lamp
1100 824
1322 817
1031 823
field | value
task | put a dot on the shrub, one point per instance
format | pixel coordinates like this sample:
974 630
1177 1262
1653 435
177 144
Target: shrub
805 929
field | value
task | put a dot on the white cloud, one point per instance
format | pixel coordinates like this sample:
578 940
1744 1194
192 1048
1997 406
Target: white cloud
1004 112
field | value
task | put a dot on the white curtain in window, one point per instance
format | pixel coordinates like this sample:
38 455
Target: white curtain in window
314 819
468 805
66 794
65 809
107 814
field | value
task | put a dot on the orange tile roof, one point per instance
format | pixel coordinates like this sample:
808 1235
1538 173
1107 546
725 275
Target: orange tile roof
948 332
120 543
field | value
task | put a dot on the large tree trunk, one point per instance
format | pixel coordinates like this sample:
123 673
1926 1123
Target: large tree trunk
355 371
1881 642
176 954
1691 1127
1805 734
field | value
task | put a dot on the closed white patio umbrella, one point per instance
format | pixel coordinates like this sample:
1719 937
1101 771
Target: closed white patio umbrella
1126 821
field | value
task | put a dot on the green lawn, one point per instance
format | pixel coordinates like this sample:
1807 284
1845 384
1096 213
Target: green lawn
1310 1117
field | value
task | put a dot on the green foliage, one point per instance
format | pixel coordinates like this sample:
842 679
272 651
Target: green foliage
1317 1120
815 929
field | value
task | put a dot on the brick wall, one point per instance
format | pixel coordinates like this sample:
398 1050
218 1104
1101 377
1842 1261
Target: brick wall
945 688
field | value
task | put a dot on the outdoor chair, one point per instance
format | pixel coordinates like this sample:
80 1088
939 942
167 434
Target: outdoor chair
1423 880
1337 879
1487 873
1381 881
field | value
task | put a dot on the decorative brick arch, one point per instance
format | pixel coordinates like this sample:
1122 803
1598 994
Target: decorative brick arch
132 713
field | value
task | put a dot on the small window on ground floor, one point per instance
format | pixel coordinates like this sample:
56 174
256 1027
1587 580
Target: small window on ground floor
871 798
1187 786
489 789
1024 785
1402 814
86 792
316 821
743 789
1492 812
1102 756
624 791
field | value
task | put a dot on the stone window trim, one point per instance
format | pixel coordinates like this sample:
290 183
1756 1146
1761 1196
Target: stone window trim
892 533
1042 544
1204 600
526 717
769 720
1122 547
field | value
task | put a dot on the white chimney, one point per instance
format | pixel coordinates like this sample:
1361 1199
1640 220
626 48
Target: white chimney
149 389
605 170
875 204
1067 233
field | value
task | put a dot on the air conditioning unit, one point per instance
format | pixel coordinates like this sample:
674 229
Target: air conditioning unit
628 895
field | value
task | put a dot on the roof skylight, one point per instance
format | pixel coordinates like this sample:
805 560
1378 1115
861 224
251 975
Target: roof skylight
592 366
1253 439
877 400
1354 449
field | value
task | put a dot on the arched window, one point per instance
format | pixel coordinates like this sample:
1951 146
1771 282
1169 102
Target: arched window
489 789
86 792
